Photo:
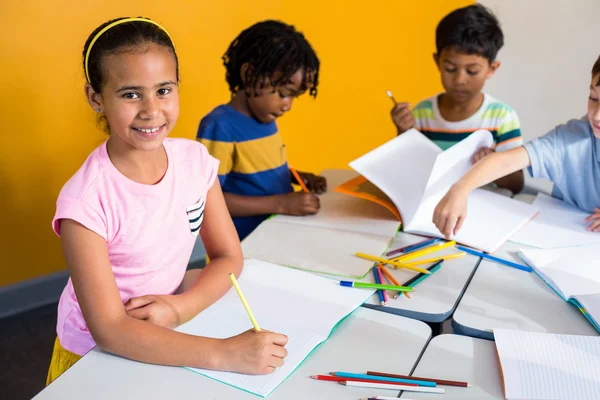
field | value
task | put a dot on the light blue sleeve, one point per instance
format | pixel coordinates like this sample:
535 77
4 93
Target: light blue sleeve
546 154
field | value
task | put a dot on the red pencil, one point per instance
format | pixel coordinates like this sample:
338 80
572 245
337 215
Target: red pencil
340 379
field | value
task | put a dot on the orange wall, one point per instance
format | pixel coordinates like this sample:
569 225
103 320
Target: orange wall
48 128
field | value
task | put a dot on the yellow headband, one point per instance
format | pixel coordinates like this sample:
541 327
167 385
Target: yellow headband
107 27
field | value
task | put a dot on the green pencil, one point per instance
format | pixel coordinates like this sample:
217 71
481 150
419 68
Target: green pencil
376 286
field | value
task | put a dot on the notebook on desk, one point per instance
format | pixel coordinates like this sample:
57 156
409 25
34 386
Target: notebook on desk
414 174
573 273
544 366
280 302
557 225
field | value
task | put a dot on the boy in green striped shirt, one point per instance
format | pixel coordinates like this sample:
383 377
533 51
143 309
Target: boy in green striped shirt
467 42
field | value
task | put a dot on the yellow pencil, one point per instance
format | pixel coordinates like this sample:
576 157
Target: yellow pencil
432 260
422 252
244 302
395 264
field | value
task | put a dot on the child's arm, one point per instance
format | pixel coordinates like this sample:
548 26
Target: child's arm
113 330
294 203
513 182
451 211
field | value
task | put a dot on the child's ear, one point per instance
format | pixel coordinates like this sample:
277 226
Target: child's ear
493 68
436 59
246 73
94 99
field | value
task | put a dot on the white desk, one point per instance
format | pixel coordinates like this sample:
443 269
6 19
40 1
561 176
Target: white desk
461 358
504 297
434 299
351 347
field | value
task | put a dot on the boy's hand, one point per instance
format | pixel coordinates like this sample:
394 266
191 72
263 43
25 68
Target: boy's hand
594 221
480 154
156 309
254 353
402 117
300 203
314 183
451 212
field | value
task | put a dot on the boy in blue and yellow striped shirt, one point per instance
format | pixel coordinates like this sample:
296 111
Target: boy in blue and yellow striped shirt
467 42
267 66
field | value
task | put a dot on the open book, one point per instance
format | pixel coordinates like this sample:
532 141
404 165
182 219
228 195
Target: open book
326 242
573 273
281 302
545 366
414 173
557 225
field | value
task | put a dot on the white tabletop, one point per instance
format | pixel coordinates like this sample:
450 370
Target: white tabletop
461 358
504 297
434 299
352 347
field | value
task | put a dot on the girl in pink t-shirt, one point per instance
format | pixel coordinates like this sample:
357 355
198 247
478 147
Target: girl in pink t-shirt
129 218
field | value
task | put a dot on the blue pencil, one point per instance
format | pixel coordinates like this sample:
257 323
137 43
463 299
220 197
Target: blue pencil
421 245
496 259
379 292
383 378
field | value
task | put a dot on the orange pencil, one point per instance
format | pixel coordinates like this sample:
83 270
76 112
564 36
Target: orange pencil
392 279
297 176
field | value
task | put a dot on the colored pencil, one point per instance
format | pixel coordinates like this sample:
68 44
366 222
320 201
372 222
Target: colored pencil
382 379
421 245
379 292
380 281
383 398
496 259
340 379
415 280
403 249
297 176
421 389
384 261
432 260
393 280
391 96
427 250
365 285
444 382
244 302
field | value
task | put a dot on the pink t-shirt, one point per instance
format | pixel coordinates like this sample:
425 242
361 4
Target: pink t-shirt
150 230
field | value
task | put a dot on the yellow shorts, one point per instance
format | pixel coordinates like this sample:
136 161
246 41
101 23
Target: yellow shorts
61 361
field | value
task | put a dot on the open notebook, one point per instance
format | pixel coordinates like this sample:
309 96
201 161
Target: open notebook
326 242
281 303
557 225
573 273
414 173
544 366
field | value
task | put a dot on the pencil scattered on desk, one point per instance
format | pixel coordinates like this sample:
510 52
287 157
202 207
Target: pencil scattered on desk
495 259
383 398
384 261
380 292
365 285
381 281
444 382
435 259
427 250
340 379
388 386
414 281
393 280
405 248
298 178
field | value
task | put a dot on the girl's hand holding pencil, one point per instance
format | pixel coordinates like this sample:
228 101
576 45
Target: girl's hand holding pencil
254 352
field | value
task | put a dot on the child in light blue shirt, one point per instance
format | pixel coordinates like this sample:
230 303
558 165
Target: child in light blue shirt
568 155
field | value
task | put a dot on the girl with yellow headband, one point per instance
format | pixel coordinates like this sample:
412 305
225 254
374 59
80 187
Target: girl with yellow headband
129 218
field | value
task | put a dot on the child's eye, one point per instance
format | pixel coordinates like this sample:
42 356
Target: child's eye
472 73
163 91
593 99
451 70
131 95
283 95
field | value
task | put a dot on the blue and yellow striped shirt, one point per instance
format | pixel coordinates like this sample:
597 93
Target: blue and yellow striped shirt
498 118
252 156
